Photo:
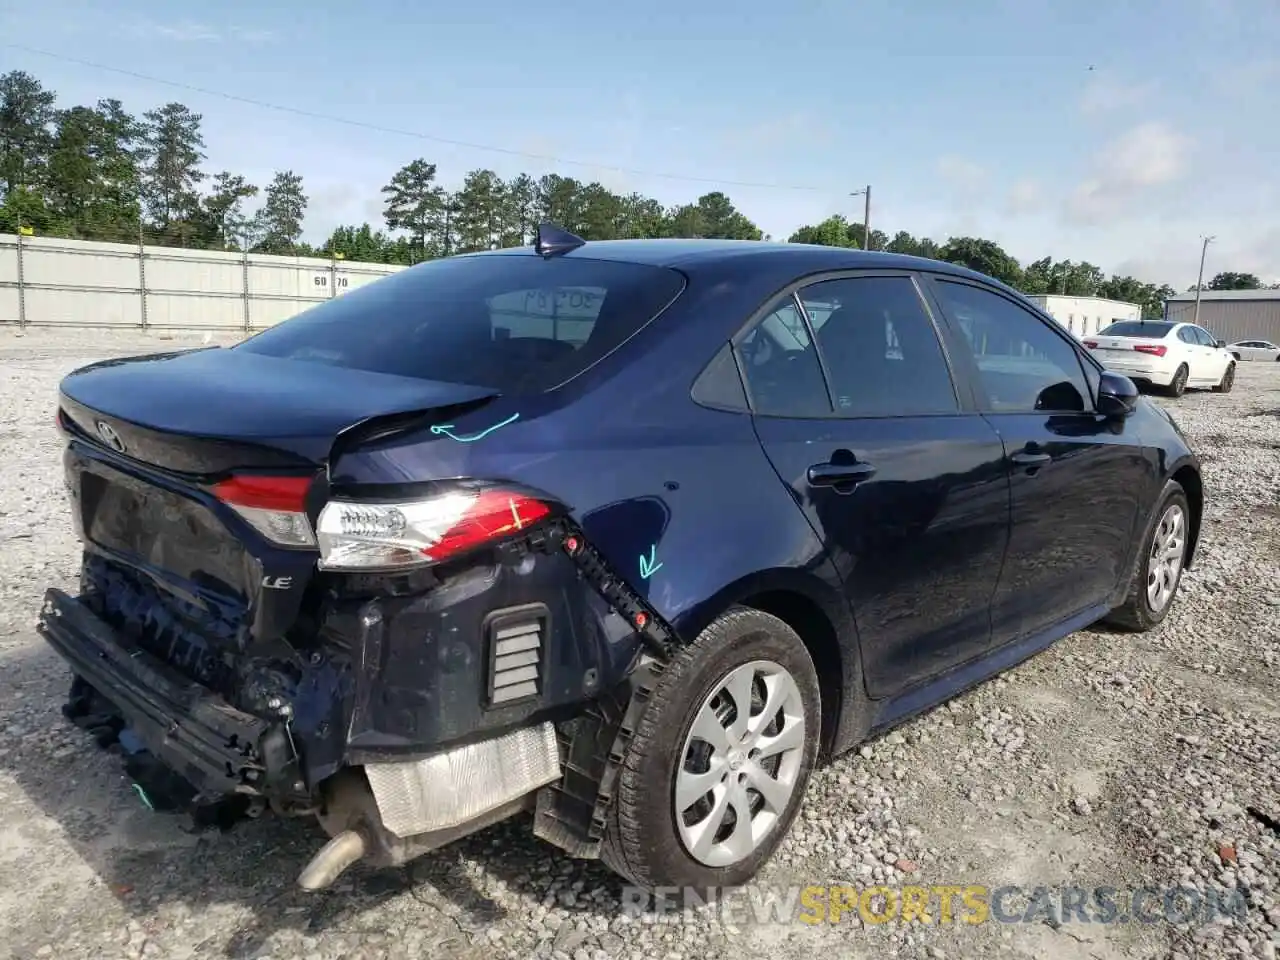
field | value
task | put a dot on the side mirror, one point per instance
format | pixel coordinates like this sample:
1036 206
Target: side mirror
1117 395
1222 343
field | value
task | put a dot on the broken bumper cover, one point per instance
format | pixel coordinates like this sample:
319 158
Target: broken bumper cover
217 748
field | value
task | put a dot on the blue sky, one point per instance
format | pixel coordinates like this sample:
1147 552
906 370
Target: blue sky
982 117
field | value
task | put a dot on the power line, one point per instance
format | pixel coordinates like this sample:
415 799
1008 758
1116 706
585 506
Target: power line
333 118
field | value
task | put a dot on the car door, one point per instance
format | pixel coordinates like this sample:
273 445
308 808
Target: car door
1193 354
1076 479
900 477
1216 358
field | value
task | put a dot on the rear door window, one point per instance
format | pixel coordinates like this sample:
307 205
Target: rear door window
882 353
515 323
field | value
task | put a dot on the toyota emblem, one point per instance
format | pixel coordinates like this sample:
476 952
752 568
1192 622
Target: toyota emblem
110 437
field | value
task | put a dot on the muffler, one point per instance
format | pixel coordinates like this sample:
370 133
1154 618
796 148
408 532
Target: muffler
351 818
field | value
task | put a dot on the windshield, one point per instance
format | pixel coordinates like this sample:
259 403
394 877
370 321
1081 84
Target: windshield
516 324
1149 329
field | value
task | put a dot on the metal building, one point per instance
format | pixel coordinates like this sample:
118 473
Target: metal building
1084 316
1230 315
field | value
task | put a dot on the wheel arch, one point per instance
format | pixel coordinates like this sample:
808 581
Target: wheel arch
820 615
1186 474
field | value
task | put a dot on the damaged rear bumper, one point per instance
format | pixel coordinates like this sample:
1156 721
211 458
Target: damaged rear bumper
216 748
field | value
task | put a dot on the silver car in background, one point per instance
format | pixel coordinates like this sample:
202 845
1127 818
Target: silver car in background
1255 350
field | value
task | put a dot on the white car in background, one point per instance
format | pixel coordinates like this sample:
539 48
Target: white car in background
1172 356
1254 350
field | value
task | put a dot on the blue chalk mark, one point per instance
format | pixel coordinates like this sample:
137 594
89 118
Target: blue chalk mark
446 428
648 565
142 795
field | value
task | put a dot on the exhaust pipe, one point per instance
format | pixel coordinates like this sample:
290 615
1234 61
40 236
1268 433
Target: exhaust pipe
334 857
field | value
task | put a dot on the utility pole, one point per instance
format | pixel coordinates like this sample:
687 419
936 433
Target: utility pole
865 192
1200 279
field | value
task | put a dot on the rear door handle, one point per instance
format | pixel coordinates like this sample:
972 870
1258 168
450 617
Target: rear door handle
839 474
1025 459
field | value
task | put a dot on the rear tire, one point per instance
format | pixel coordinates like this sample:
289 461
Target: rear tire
1178 385
1157 565
1228 380
658 815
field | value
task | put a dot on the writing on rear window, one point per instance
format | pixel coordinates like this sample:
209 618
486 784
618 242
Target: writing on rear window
563 313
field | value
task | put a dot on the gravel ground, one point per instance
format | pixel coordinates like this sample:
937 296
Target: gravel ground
1108 760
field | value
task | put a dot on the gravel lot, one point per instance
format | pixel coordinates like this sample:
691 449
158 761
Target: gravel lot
1109 760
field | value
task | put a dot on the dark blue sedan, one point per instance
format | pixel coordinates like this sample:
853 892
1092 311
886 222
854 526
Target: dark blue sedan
626 534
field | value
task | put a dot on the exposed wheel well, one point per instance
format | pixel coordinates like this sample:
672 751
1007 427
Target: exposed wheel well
1189 478
807 619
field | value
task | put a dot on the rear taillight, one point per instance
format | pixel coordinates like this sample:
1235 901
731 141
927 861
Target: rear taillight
1155 350
274 506
1091 344
357 536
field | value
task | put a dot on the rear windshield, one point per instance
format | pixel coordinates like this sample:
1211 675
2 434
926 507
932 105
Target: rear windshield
1154 330
516 324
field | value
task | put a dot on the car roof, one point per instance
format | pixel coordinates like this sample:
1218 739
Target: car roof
802 258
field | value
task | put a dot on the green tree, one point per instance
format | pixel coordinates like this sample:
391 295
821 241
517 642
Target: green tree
520 218
27 113
858 230
279 222
482 205
418 205
643 217
561 201
360 244
831 232
686 221
984 256
722 220
225 225
603 213
172 175
119 152
72 182
1235 281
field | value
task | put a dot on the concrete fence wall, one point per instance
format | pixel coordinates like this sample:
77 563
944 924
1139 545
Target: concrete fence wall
75 283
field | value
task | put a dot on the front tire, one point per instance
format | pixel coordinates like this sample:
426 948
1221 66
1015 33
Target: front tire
1158 565
718 766
1228 380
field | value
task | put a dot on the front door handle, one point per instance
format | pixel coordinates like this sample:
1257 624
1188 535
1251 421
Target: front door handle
1025 458
839 474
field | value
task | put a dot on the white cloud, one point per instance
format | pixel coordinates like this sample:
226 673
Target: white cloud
1025 196
1106 92
1151 154
960 172
190 31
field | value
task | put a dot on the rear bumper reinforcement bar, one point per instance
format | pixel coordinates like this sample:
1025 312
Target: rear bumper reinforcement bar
218 749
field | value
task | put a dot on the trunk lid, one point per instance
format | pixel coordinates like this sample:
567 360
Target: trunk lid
215 410
1100 344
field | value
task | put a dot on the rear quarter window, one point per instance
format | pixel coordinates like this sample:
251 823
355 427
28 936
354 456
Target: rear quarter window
514 323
